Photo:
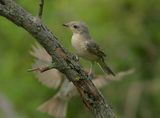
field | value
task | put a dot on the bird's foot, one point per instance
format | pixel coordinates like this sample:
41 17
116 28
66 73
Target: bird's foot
90 75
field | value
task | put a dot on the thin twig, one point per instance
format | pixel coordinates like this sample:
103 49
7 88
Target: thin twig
39 69
41 4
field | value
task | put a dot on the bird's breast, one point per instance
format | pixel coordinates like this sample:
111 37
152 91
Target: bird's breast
79 43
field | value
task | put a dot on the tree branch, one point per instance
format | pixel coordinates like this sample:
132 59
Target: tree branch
63 60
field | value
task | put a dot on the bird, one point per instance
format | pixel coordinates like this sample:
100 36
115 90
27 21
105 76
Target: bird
86 47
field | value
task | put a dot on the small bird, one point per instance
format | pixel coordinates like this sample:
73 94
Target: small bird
86 47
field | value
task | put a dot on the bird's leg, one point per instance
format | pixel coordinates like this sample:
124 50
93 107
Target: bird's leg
90 70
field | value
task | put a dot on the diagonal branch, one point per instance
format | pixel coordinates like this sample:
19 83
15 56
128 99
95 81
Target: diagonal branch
63 60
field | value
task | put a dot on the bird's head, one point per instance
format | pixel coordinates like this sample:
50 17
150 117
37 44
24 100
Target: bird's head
77 27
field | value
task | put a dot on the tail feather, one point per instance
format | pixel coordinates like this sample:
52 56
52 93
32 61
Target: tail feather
55 107
105 68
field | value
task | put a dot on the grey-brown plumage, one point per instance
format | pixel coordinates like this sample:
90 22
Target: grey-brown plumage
85 46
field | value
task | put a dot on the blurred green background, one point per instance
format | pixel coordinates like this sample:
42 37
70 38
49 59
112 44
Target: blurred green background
127 30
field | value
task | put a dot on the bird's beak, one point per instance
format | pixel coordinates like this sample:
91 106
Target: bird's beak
65 25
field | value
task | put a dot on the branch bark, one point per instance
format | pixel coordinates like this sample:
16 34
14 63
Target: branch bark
61 58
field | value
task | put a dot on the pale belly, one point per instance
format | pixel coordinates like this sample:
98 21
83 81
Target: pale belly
81 50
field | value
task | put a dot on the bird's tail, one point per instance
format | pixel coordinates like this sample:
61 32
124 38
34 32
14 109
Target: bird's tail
105 68
56 107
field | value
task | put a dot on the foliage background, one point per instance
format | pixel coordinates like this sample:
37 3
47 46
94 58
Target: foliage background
128 31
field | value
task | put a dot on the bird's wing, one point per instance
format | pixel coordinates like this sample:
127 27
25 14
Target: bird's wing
51 78
94 48
40 53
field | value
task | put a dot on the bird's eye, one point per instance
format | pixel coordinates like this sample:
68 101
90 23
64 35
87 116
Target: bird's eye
75 26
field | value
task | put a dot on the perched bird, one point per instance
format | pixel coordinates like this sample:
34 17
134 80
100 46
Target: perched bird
85 46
